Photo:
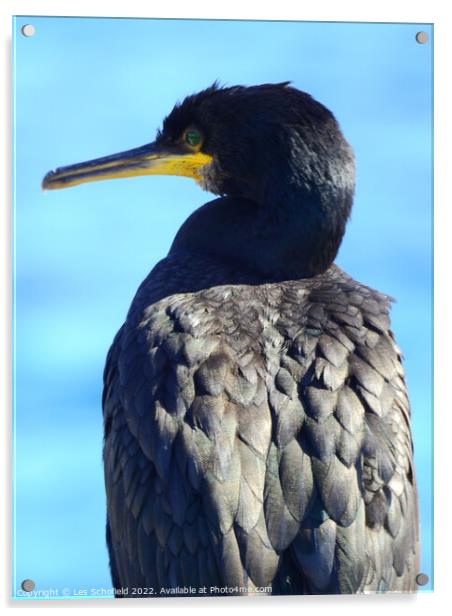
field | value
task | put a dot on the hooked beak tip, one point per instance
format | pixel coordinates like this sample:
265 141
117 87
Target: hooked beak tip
46 181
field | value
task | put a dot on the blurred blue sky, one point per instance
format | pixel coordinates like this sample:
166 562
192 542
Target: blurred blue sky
89 87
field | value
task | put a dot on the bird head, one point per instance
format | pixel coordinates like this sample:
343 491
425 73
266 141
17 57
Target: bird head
236 141
276 154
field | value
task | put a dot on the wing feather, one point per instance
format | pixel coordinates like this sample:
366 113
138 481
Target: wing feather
259 435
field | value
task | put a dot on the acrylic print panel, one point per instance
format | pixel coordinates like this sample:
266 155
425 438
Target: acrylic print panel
85 88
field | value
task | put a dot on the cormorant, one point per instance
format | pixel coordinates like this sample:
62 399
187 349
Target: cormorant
257 425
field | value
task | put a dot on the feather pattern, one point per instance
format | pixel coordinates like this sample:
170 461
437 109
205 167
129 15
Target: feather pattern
258 435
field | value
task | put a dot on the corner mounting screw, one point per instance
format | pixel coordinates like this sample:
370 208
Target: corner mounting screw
28 30
422 38
421 579
28 585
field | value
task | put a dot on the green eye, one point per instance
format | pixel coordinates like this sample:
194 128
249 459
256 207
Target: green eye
193 137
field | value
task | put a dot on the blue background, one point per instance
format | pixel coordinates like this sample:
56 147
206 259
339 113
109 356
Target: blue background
89 87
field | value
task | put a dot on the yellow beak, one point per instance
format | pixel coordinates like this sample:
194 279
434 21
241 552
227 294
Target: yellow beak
150 159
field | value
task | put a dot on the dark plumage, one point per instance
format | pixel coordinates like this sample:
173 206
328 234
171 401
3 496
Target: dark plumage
257 425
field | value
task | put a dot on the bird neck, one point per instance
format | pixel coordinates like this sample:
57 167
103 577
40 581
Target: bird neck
280 238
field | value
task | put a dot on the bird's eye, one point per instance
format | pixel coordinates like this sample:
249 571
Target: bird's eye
193 137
